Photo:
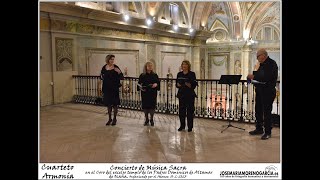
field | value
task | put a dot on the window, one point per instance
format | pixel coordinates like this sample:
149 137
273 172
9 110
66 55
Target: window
267 33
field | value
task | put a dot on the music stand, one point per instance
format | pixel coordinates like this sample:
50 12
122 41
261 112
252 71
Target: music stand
230 79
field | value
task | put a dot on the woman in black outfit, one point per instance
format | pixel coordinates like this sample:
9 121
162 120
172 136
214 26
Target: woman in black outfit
148 84
186 82
111 76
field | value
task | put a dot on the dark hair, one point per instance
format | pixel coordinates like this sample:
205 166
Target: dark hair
108 57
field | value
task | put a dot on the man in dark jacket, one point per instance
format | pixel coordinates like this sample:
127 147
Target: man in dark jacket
266 75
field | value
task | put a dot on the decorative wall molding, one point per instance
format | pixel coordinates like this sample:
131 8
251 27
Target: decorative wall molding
90 51
219 49
224 62
220 62
269 49
94 30
273 49
64 54
151 54
163 54
202 69
237 67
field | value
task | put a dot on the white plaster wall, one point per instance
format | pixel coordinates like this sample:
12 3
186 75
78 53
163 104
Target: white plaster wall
171 56
125 58
172 61
97 60
217 71
45 68
89 56
195 61
63 86
126 54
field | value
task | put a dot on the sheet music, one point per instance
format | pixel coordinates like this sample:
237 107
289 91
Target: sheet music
257 82
185 79
141 86
182 78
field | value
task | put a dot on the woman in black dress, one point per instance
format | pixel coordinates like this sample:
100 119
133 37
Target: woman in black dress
111 76
148 84
186 82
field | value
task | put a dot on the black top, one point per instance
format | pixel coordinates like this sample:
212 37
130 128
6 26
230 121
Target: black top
149 96
184 91
146 80
267 72
111 79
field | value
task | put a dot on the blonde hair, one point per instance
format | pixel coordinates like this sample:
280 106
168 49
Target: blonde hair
145 67
108 57
188 63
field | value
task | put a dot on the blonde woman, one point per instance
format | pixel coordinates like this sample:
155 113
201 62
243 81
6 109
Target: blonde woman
186 82
148 84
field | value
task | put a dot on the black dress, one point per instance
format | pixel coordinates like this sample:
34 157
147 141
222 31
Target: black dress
149 97
111 84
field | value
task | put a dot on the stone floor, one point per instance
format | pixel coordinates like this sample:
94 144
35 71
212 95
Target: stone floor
77 133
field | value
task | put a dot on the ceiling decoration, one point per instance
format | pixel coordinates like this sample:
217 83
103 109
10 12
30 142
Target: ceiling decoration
233 19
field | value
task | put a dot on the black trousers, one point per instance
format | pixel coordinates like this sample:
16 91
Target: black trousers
186 109
264 101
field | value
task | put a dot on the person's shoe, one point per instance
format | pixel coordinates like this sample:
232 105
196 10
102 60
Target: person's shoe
265 136
152 122
114 122
146 123
189 130
108 123
180 129
256 132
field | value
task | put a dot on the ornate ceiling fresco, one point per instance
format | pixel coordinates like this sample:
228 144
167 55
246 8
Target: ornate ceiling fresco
226 20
